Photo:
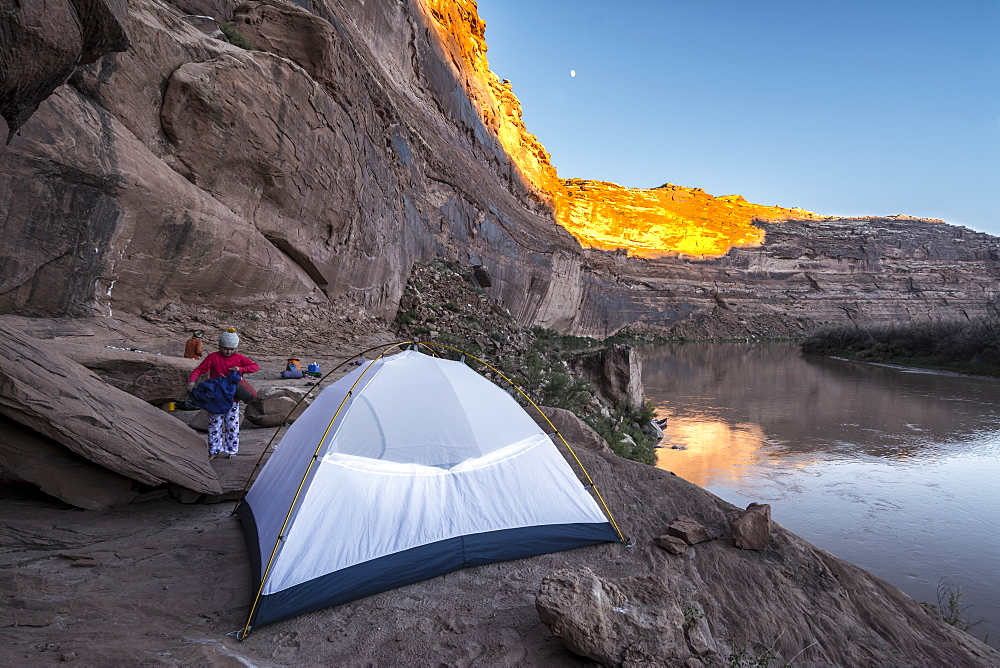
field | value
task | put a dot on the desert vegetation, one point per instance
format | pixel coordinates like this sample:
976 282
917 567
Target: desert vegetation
444 304
235 37
950 609
965 347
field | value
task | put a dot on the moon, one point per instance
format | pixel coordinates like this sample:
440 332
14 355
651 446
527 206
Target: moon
572 73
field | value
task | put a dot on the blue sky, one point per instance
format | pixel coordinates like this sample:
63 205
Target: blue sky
842 107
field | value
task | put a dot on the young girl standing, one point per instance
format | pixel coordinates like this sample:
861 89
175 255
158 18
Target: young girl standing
224 428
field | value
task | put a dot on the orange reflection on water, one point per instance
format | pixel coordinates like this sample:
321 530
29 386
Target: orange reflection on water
713 451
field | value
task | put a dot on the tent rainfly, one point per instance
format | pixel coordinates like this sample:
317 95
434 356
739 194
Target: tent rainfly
409 467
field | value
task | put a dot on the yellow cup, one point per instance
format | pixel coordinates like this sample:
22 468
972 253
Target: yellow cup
170 405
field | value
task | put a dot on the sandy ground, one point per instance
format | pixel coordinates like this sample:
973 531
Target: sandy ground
163 583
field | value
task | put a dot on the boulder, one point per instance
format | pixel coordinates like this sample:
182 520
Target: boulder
274 404
59 472
58 398
574 430
671 544
616 372
288 30
154 378
689 530
752 529
482 276
200 420
653 430
634 621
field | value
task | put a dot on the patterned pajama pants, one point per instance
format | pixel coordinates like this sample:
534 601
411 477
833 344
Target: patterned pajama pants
224 432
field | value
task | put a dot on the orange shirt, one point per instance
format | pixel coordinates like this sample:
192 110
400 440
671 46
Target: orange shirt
192 349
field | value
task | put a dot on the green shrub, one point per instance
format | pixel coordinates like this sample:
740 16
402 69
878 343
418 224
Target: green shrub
758 656
627 421
466 346
235 37
949 607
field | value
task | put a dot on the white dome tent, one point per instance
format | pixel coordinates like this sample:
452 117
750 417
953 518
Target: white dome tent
408 467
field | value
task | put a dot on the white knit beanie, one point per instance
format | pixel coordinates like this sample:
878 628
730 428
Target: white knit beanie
229 339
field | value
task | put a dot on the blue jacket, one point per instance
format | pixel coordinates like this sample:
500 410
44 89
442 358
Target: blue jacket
216 395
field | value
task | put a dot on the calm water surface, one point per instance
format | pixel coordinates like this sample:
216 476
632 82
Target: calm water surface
897 472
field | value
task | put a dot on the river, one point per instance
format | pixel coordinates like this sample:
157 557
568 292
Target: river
895 471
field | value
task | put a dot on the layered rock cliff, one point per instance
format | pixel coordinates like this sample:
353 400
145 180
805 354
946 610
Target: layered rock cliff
809 274
186 174
188 171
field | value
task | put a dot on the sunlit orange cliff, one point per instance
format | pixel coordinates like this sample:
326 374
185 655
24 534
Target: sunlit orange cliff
648 223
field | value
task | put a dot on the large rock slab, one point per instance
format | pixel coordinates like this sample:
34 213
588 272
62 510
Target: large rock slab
59 472
58 398
148 376
287 30
42 42
574 430
634 621
616 372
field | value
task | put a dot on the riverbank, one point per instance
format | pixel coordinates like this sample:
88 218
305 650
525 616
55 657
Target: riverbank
162 583
968 347
889 469
915 368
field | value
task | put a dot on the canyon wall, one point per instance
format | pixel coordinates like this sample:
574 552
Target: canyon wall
809 274
677 261
184 173
187 171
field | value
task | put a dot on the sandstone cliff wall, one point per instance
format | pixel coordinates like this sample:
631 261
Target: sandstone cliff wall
185 173
186 170
805 275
